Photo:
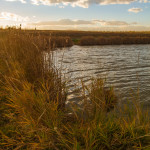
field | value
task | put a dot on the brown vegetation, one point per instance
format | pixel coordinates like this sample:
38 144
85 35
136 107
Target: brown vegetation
79 34
32 112
51 42
51 39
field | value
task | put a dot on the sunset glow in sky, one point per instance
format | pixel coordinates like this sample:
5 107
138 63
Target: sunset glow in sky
94 15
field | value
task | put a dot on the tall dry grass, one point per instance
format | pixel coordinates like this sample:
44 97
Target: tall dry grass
33 93
32 112
50 42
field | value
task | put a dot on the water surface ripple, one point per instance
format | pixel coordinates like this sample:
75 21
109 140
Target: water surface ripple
126 67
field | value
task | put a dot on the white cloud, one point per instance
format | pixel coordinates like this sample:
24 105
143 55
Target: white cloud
90 25
95 28
64 22
68 22
6 16
22 1
81 3
112 23
135 10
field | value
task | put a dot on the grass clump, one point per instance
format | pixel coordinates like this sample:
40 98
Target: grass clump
104 98
33 113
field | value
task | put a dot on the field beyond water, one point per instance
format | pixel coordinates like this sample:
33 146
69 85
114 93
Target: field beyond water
101 38
32 103
86 38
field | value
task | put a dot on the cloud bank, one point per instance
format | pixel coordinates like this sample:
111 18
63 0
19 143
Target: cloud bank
112 23
64 22
95 28
135 10
80 3
89 25
69 22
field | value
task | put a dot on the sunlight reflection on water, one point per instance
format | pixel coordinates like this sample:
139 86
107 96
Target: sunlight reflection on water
126 67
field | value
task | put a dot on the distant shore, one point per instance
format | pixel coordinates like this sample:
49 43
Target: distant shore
62 38
87 38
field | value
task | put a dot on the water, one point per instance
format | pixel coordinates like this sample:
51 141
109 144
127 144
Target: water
126 67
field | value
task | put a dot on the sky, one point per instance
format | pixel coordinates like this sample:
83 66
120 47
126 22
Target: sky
93 15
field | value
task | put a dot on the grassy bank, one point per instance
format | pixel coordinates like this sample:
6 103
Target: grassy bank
32 105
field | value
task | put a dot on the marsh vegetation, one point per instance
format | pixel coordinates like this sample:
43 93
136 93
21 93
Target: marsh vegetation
32 104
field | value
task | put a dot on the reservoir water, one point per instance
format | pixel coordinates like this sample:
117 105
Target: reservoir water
126 67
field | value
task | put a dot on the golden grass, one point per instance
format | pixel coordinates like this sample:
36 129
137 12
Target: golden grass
32 106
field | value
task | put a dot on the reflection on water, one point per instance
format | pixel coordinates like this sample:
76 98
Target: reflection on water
126 67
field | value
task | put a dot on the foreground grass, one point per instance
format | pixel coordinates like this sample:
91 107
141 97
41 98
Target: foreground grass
33 113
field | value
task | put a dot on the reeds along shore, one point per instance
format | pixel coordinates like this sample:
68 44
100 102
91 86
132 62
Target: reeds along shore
32 106
52 42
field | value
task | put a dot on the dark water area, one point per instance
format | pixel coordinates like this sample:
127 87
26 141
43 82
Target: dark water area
125 67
